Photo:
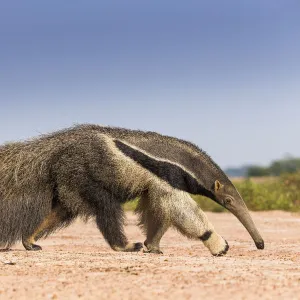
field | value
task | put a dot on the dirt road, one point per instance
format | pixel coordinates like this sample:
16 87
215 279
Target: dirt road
77 263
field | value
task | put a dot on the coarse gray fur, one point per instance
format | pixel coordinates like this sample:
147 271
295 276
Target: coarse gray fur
90 170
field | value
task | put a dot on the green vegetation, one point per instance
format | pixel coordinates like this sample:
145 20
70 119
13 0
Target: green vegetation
131 205
276 168
280 193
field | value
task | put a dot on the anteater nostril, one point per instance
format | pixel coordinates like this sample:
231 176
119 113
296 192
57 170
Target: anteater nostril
260 245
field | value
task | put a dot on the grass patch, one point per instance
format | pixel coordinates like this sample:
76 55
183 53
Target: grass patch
280 194
130 205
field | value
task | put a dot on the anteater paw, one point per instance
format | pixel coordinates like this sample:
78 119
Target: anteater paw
216 244
224 251
133 247
32 247
152 248
153 251
137 246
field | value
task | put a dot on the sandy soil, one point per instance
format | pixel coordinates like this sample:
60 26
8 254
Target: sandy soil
77 263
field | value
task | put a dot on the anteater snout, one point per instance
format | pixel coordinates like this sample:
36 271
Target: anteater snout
260 245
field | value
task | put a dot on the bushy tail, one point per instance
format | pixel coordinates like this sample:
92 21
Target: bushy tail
20 216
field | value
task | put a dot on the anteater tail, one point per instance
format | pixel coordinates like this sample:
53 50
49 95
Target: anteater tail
20 217
25 191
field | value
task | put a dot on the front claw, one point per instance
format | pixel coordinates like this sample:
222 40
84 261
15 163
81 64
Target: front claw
223 252
32 247
154 251
152 248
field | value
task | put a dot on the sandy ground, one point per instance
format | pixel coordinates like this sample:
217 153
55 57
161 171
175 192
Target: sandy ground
77 263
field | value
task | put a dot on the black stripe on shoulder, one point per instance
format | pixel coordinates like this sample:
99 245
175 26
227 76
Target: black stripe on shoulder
173 174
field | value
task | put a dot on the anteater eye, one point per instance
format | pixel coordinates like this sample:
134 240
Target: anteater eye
228 200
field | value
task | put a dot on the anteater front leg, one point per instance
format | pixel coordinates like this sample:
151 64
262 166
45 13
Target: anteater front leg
191 221
154 224
155 231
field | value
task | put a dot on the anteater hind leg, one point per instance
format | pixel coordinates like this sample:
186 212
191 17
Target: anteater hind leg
54 220
109 218
29 242
191 221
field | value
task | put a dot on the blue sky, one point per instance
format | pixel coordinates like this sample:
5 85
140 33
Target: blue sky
222 74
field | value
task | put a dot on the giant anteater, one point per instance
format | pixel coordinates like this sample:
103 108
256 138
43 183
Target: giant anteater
90 170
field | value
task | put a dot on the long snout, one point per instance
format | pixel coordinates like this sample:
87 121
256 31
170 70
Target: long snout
244 217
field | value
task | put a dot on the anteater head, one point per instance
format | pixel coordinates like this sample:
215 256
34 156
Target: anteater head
227 196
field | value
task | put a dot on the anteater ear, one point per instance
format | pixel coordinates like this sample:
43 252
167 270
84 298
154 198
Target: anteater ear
218 185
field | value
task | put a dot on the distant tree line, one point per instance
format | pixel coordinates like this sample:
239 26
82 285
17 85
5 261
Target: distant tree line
276 168
286 165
